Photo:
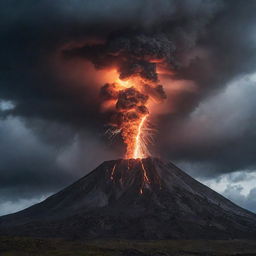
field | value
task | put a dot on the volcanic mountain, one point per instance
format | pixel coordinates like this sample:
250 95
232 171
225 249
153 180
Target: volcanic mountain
134 199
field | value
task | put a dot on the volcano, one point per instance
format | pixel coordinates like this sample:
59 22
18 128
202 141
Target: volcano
134 199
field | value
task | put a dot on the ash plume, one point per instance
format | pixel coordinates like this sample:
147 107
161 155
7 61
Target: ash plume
136 54
135 58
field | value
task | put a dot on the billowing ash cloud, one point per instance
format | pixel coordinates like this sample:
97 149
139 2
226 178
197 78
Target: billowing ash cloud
132 54
54 57
133 57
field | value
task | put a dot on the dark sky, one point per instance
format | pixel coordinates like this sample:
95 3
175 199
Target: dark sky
51 126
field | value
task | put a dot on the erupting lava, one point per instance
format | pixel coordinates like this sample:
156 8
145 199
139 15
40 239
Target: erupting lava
130 99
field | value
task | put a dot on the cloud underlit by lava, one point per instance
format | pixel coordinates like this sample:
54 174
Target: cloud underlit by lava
207 120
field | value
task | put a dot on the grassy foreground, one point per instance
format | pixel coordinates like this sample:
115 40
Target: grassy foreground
18 246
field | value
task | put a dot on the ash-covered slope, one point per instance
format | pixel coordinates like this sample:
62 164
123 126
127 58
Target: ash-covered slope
137 199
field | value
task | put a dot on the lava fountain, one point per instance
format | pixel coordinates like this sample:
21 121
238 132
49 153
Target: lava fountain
130 99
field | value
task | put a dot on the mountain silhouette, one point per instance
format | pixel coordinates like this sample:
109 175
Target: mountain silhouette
134 199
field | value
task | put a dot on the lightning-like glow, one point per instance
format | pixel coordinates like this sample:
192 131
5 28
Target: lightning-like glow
138 149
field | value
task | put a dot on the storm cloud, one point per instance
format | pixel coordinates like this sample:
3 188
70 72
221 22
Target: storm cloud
51 120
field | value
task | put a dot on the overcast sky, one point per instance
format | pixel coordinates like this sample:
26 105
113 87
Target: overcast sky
51 126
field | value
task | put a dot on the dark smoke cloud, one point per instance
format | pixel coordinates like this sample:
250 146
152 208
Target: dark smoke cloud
132 55
219 135
34 31
209 44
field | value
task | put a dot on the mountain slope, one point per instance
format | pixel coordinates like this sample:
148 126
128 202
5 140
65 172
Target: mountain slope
139 199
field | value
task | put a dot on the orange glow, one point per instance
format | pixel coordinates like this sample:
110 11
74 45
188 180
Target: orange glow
145 176
107 105
131 130
126 84
131 101
138 151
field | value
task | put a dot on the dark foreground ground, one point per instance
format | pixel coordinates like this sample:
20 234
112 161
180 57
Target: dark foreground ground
44 247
